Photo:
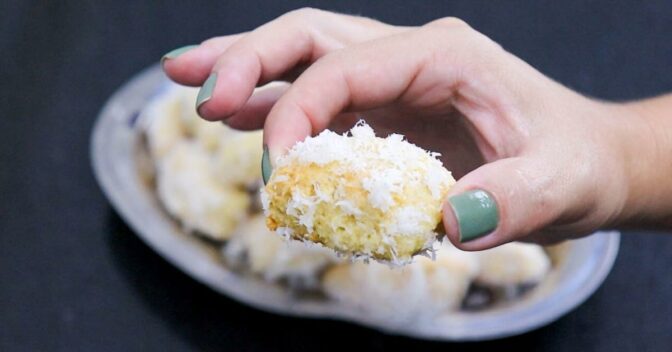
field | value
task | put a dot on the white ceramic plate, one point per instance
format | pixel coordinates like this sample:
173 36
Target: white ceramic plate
114 150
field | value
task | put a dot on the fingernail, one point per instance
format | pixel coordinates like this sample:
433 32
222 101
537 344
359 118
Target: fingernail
177 52
206 90
266 167
476 213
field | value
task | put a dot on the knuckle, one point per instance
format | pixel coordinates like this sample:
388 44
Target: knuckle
450 27
302 14
210 43
330 60
443 29
449 22
459 33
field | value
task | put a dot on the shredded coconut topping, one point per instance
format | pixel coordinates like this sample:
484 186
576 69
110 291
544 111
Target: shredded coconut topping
394 159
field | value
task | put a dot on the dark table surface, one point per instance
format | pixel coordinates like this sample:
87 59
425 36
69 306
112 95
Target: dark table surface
74 277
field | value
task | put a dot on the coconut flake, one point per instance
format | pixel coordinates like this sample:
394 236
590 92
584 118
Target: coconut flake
407 221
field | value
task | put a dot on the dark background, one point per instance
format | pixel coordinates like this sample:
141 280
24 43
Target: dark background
74 277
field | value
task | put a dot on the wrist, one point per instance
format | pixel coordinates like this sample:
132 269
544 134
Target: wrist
645 146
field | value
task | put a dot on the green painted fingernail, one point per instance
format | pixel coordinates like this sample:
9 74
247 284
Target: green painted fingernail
177 52
476 213
266 167
206 90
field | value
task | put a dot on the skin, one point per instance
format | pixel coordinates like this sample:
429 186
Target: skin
558 164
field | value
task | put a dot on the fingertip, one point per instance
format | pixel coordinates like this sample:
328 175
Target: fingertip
189 65
175 53
172 54
450 224
222 95
452 233
471 220
205 94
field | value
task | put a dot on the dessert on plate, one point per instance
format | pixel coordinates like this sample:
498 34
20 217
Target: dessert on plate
356 194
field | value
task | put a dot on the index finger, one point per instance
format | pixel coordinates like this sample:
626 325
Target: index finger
421 69
358 78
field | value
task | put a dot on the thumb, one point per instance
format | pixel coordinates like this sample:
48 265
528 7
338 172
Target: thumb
500 202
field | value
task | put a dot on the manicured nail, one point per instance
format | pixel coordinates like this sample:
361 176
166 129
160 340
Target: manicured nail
266 167
177 52
206 90
476 213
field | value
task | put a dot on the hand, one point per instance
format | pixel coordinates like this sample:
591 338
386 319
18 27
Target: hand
536 160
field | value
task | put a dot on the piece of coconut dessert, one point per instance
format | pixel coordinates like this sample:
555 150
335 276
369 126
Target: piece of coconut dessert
270 256
359 194
418 291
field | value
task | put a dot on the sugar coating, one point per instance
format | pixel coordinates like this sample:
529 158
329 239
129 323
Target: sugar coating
358 194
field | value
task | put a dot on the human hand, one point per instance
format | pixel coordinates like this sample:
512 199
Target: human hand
537 161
